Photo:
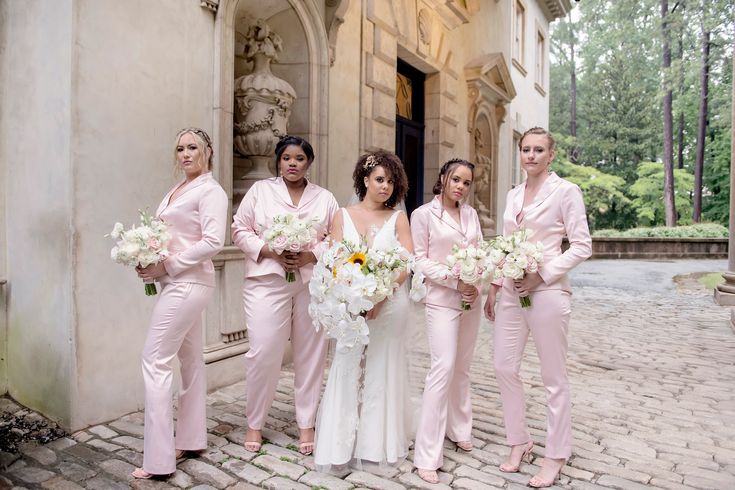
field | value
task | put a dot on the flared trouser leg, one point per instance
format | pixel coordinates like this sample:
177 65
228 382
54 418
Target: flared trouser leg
176 329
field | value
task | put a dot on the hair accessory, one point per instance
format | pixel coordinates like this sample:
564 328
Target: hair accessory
203 134
370 162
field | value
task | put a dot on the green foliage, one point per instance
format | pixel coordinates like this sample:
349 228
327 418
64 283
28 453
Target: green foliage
604 198
700 230
649 188
620 81
711 280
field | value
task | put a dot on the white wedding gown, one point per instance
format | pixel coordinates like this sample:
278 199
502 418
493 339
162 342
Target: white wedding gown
365 413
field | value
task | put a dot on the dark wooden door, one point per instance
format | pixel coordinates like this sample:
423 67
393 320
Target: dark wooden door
410 130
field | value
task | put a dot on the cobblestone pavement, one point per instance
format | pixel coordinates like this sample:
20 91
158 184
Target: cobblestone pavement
652 369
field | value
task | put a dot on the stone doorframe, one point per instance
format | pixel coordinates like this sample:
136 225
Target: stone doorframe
490 89
415 31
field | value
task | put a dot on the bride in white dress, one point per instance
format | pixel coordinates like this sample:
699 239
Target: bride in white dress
365 413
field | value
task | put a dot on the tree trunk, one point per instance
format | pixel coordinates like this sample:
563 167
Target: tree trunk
668 157
702 122
680 125
573 110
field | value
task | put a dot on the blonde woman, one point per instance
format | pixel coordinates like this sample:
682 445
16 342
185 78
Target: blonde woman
196 212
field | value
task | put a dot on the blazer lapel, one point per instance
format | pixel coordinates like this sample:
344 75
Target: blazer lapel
548 188
438 210
282 192
186 188
310 193
517 204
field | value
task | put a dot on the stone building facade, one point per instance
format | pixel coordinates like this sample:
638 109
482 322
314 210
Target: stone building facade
94 90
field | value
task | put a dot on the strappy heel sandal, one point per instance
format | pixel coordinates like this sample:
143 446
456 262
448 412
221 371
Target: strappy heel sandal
507 467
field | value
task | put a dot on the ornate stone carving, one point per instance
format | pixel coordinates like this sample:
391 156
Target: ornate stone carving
212 5
336 10
483 182
262 107
424 21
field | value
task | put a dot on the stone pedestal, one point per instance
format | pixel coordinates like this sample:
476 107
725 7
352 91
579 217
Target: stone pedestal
725 293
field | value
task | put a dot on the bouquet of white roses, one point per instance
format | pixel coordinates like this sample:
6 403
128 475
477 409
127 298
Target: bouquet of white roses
515 256
141 245
471 265
288 233
348 281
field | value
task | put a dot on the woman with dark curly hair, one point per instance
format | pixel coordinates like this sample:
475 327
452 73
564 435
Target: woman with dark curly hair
364 414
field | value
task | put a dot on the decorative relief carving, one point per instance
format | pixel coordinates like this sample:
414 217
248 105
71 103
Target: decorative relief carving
483 182
212 5
425 25
262 107
336 10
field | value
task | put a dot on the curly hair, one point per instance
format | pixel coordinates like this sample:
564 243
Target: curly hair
288 140
538 131
448 169
391 164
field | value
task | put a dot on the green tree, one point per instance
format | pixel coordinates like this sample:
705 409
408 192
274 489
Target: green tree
604 197
648 189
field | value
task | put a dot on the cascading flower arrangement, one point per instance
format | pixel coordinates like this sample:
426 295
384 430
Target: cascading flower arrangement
515 256
348 281
471 265
286 232
141 245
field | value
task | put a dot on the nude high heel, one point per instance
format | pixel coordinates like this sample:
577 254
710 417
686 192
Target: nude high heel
507 467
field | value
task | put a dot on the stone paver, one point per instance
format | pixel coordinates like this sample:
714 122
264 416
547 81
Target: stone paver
652 377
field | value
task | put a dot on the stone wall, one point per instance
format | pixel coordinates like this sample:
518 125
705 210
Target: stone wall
659 248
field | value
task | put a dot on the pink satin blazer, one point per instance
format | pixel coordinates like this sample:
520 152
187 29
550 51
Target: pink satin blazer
266 199
197 222
434 233
556 212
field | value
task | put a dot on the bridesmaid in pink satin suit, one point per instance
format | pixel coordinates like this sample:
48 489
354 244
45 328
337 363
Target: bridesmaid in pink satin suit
452 332
196 213
551 208
276 310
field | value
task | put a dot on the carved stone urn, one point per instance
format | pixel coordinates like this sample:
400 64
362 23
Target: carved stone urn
262 108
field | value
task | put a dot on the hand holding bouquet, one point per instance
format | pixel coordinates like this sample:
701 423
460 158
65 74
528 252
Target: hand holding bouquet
515 256
471 265
142 245
287 233
348 281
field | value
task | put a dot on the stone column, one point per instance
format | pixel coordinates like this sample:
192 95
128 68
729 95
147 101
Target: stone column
725 293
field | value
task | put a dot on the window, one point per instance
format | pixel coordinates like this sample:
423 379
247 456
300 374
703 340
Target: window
519 36
540 61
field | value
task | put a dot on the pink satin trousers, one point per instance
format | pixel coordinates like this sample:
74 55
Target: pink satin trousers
547 320
276 310
446 405
175 330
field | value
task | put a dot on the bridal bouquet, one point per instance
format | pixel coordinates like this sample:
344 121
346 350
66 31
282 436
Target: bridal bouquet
141 245
348 281
471 265
288 233
516 255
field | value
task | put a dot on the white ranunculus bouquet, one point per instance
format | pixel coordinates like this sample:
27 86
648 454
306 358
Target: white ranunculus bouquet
515 256
348 281
471 265
141 245
287 233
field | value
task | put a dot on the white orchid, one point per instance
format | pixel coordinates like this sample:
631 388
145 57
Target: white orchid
348 281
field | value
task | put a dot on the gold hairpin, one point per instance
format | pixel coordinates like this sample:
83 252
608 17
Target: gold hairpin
370 162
